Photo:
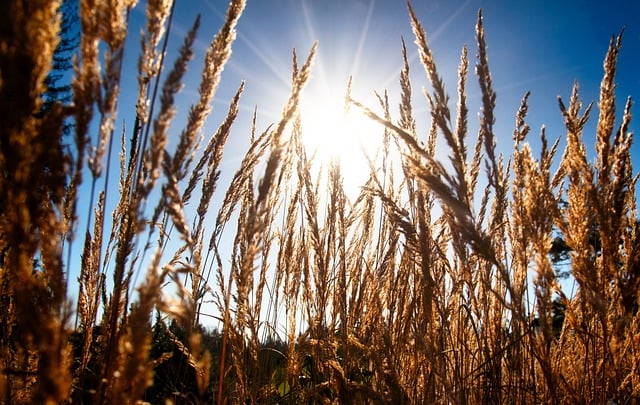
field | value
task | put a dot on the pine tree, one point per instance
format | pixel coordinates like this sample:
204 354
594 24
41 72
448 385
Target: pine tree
58 81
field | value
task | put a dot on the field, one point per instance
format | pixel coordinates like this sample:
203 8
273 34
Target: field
438 283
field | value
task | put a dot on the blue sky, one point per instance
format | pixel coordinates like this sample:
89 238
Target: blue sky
541 46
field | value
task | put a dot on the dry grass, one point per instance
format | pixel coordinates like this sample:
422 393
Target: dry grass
417 291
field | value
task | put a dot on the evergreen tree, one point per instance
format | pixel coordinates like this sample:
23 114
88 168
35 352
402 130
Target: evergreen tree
58 81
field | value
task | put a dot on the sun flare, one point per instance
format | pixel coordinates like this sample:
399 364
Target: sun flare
332 131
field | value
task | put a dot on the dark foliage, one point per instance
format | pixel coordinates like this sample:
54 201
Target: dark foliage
58 81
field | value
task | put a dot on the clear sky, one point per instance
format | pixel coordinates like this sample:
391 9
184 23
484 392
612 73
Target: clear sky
542 46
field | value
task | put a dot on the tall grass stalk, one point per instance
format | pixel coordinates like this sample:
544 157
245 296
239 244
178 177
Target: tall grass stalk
435 284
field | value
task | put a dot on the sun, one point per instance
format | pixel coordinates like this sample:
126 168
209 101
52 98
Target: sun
334 132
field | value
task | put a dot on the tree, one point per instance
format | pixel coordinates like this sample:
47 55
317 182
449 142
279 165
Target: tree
58 81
